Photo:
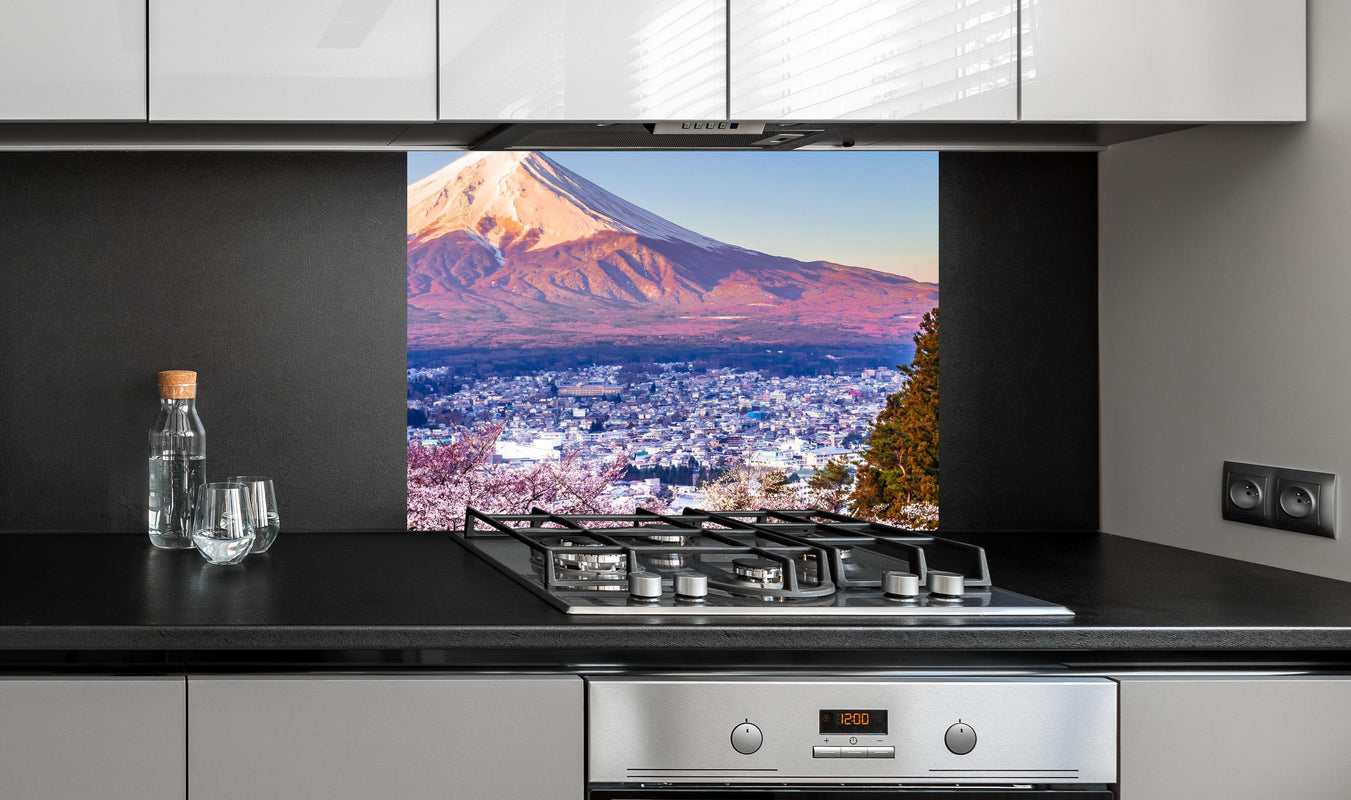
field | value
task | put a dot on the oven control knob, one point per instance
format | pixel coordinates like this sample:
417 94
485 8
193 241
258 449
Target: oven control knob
691 585
946 584
900 584
746 738
960 738
644 585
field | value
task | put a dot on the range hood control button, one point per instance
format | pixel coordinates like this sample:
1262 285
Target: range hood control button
746 738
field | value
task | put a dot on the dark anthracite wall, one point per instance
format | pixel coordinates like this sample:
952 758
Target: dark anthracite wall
1018 414
278 277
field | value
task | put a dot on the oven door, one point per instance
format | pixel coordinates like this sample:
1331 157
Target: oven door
854 793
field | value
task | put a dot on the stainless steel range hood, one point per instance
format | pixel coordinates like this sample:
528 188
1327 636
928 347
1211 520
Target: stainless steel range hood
571 136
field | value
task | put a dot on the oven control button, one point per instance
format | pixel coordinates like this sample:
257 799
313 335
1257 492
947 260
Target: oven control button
946 584
825 752
881 752
960 738
853 752
901 585
746 738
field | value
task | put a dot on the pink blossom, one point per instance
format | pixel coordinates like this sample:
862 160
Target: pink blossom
444 479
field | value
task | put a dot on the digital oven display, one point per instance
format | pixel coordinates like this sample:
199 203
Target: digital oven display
846 721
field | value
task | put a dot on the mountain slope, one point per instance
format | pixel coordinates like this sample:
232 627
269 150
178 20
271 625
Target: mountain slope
514 250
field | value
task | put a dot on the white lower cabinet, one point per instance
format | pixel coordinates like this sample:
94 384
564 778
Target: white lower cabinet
275 738
110 738
1238 739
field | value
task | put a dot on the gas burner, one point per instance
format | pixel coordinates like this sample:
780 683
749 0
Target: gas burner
678 539
602 566
760 571
852 570
668 561
591 562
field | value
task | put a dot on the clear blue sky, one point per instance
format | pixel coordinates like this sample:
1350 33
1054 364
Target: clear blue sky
876 209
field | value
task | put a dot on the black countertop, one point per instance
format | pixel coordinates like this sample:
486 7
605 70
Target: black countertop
386 594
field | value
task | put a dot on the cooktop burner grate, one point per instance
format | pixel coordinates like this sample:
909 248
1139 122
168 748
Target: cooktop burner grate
739 562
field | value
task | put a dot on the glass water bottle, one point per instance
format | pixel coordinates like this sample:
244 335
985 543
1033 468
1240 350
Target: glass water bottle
177 460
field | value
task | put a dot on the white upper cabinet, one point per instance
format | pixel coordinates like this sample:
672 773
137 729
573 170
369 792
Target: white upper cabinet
72 60
293 60
602 60
874 60
1163 60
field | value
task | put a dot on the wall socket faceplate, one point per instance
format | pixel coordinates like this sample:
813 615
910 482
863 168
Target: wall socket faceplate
1287 499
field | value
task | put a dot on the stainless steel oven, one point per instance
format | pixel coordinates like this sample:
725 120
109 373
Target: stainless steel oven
937 738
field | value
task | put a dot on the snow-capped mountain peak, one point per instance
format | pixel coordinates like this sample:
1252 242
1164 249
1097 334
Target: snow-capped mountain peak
525 200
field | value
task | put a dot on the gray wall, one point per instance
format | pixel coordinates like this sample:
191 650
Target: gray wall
1225 283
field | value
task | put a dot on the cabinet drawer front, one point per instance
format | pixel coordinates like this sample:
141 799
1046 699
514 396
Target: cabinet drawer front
370 736
110 738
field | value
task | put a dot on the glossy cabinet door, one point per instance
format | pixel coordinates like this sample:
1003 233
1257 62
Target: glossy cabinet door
1163 60
293 60
601 60
72 60
874 60
110 738
412 738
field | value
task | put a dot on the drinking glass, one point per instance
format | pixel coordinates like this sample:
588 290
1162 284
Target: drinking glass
266 519
222 522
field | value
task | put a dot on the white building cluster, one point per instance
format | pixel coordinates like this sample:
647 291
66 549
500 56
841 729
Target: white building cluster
671 418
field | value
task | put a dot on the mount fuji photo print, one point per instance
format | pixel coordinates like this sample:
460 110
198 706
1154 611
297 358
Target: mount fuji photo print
610 331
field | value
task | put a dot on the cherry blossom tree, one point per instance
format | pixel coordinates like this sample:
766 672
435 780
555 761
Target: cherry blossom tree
444 479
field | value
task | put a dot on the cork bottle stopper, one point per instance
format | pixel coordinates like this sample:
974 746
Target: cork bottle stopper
178 384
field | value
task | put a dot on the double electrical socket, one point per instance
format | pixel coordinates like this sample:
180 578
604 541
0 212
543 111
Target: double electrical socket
1288 499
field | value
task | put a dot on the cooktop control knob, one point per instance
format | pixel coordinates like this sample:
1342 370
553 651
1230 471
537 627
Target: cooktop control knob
900 584
644 585
746 738
691 585
946 584
960 738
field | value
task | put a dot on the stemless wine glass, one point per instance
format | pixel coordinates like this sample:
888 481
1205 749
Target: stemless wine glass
222 522
266 519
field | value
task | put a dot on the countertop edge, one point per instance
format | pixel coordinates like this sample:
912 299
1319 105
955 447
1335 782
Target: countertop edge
618 639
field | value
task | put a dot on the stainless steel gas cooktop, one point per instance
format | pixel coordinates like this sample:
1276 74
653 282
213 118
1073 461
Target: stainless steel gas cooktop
765 563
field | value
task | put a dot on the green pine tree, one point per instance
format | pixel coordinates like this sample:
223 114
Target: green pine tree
830 486
899 479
